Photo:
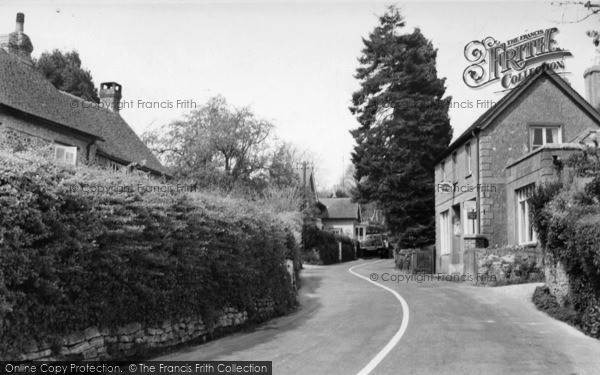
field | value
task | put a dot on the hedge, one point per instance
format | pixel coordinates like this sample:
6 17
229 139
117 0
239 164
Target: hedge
326 245
71 259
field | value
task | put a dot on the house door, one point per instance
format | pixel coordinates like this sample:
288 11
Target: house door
456 236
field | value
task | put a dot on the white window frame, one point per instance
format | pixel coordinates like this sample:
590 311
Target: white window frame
115 167
65 154
470 225
525 233
468 157
545 129
445 240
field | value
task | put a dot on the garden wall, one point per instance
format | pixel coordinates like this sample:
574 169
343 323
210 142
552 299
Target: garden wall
134 339
504 265
557 281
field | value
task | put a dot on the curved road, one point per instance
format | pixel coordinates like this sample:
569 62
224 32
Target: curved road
344 322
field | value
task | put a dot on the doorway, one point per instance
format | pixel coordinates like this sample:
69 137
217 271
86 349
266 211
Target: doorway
456 235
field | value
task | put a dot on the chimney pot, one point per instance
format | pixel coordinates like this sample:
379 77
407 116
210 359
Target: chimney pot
20 22
591 76
110 96
17 42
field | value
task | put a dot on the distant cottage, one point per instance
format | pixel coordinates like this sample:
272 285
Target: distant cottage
33 113
484 179
340 215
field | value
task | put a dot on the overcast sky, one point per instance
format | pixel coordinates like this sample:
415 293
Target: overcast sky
292 62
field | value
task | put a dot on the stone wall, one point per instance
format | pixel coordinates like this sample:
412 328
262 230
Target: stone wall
15 140
557 280
134 340
505 265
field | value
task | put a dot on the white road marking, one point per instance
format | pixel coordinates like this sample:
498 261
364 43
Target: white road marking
390 345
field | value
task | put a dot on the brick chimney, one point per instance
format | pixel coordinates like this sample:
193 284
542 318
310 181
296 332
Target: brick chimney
17 42
591 76
110 96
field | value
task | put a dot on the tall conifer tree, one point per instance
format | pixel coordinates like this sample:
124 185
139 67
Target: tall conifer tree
404 125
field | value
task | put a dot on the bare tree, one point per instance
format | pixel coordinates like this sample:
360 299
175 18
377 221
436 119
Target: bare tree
592 10
215 140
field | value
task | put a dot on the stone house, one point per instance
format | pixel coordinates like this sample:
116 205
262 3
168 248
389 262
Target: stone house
33 113
484 178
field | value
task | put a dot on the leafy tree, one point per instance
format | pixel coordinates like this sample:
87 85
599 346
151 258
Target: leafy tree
404 125
64 71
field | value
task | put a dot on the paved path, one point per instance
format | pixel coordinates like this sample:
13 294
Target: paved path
345 321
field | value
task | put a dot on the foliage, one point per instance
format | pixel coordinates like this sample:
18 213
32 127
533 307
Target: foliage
71 258
404 125
542 195
403 258
325 244
547 302
64 71
569 222
227 147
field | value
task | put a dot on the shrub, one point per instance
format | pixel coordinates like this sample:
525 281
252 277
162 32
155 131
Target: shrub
547 302
71 259
403 257
542 195
325 244
568 219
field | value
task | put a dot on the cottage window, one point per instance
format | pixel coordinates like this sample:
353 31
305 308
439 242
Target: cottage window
445 232
543 135
114 167
65 154
525 233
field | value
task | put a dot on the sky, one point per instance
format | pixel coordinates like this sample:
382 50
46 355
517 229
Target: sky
292 62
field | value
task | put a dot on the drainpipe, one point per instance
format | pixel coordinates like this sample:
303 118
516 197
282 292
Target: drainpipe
477 181
88 150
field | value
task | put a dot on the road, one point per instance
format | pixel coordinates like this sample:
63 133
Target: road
345 321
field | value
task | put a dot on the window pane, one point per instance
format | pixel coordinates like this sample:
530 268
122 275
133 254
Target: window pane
555 135
468 156
60 153
537 137
522 222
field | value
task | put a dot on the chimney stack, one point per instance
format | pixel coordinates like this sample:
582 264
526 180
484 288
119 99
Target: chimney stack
20 22
591 76
17 42
110 96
